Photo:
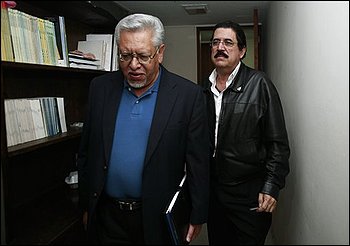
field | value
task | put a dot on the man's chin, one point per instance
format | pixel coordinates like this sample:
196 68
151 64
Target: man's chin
220 63
137 84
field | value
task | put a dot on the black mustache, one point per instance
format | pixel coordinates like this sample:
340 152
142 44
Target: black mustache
220 53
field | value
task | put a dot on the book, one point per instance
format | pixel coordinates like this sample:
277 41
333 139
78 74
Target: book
61 114
115 60
36 40
14 32
47 117
6 42
29 119
61 38
51 42
11 123
108 38
22 120
39 128
177 214
27 37
43 41
53 110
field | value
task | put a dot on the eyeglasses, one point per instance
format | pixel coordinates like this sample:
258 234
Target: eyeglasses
227 43
143 59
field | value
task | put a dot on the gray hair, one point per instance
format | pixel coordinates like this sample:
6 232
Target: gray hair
136 22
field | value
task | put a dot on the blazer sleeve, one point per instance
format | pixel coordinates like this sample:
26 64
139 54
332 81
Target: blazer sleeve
197 159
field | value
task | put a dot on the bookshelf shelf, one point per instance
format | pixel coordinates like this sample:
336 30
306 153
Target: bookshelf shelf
42 142
52 157
38 206
39 67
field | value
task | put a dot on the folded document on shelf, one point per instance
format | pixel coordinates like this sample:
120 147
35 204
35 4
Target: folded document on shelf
96 47
79 59
84 61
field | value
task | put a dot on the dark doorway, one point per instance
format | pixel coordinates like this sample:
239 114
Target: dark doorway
204 64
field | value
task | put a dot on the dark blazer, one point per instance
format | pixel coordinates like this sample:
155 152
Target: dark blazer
178 135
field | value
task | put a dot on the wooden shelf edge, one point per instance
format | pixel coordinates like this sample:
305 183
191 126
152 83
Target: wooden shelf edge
43 67
42 142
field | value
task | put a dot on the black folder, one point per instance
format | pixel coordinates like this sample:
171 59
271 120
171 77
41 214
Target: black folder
177 215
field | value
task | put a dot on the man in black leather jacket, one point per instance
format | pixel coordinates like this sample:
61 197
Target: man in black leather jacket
250 148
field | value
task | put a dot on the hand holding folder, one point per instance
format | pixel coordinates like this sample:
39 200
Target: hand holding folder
177 215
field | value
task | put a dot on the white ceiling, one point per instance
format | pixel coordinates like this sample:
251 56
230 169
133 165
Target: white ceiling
173 14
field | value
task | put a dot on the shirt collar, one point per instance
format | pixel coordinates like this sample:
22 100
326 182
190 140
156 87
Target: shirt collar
213 75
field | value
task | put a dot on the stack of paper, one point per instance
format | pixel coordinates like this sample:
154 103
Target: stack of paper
82 61
107 55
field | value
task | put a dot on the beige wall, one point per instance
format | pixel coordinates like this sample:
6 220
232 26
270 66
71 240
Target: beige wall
307 51
249 58
181 51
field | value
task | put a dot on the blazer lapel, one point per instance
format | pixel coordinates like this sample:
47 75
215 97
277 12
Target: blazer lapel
167 95
111 101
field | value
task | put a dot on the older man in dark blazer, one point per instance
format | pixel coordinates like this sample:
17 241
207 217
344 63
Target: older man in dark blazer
118 166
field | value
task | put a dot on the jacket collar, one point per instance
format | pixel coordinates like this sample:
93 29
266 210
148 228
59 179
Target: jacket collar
238 82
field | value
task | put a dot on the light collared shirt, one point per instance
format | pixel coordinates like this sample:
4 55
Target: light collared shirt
218 95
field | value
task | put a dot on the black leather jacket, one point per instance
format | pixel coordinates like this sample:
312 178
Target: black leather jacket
252 137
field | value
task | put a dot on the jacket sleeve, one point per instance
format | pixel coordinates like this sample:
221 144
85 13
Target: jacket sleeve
82 156
197 160
276 142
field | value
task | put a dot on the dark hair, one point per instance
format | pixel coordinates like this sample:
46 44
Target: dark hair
241 39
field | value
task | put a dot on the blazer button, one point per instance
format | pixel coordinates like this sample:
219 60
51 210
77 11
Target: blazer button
105 167
95 194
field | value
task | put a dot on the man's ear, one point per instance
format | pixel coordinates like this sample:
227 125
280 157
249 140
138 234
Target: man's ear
161 53
243 51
